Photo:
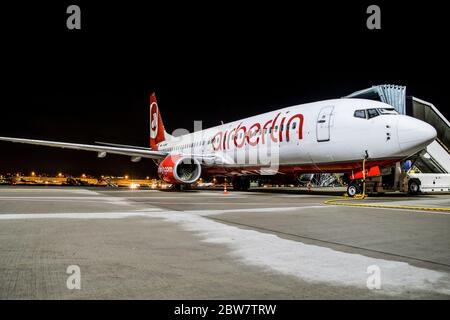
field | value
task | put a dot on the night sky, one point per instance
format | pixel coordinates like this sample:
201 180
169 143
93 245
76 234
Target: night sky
208 61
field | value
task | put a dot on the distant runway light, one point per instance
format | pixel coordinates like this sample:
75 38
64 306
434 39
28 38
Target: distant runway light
134 186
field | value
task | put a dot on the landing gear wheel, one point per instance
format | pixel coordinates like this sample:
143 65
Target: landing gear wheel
237 184
352 189
241 184
413 187
245 185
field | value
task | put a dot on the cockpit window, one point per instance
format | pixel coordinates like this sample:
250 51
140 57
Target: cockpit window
360 114
372 113
387 111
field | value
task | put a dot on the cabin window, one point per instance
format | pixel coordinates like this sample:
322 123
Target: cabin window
360 114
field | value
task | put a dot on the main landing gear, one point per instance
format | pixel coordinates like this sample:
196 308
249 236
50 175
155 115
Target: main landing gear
241 184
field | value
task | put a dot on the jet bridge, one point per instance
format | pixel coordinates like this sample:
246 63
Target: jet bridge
429 169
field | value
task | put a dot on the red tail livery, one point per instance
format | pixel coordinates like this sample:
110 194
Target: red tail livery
156 125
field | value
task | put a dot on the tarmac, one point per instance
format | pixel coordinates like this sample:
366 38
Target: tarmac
149 244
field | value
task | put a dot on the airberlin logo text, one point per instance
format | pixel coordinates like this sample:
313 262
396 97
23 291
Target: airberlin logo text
274 130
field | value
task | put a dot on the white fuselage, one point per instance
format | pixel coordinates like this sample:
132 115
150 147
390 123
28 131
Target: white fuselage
309 137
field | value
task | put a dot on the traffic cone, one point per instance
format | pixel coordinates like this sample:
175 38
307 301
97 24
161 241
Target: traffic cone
225 192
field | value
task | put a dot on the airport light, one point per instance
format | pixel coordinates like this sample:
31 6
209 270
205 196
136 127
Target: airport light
60 174
33 174
83 175
126 177
134 186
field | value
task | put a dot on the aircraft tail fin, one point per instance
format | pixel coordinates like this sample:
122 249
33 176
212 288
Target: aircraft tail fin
157 132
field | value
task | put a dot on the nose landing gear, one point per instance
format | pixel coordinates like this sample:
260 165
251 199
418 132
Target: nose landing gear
354 188
358 186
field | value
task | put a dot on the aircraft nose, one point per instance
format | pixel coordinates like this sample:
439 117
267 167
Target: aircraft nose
413 134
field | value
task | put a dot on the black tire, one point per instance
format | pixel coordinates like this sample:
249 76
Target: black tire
241 184
353 189
245 184
237 184
413 187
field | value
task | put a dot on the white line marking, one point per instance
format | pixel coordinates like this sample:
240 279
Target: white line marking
183 197
98 215
60 197
79 191
110 200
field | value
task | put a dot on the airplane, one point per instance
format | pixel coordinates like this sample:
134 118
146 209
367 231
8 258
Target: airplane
331 136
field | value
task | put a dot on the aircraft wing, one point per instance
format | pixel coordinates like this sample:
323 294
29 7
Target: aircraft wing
102 150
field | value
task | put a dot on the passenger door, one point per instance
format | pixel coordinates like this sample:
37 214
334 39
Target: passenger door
324 123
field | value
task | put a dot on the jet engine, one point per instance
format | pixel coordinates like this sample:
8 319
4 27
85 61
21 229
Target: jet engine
179 169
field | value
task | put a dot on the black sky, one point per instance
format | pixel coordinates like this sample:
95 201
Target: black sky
207 61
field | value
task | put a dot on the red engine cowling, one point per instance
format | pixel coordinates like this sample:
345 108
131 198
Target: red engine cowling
178 169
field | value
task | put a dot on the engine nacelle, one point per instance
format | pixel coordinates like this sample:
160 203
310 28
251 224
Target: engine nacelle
179 169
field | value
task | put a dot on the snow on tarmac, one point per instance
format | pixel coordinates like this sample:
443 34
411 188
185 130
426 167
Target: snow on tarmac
310 262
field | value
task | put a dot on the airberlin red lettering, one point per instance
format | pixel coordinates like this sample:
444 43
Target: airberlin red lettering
256 133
